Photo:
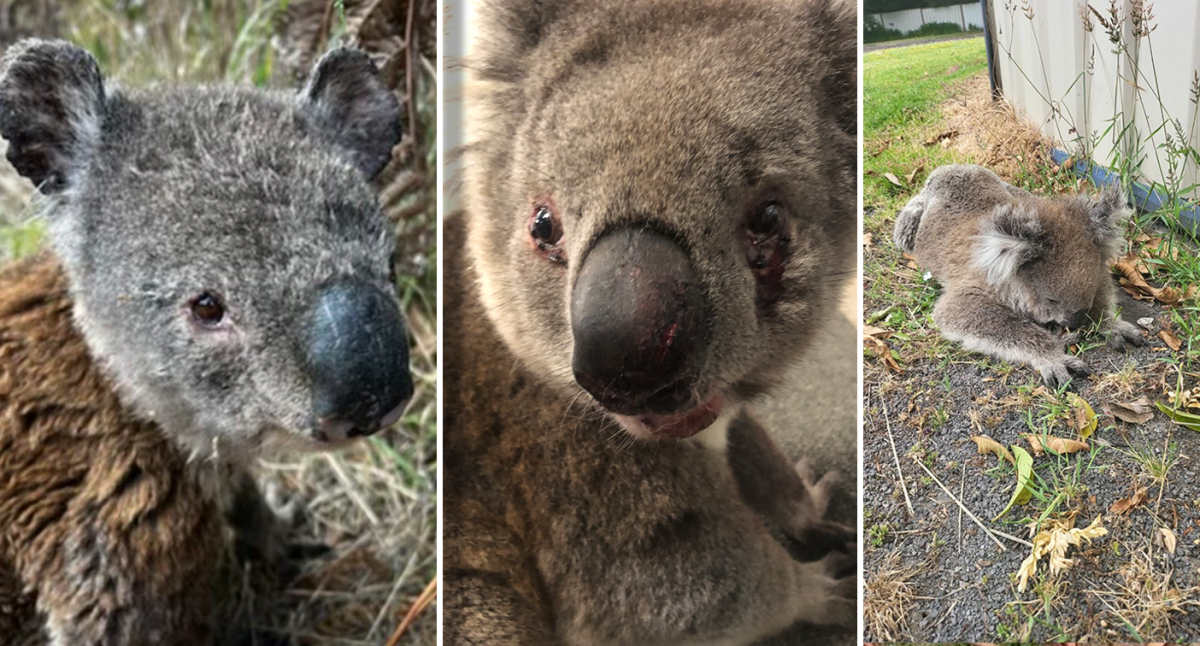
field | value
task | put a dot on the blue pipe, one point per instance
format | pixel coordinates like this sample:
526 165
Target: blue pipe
1144 197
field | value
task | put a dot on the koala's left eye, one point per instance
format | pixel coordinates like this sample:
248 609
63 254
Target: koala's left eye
766 221
545 230
207 309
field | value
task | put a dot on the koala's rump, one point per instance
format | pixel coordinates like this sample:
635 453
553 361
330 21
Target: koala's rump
958 198
83 486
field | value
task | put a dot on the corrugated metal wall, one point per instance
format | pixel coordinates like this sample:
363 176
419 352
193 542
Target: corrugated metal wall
1092 97
967 16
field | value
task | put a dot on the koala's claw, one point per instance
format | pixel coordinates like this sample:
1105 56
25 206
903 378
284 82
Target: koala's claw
1124 332
1059 373
829 590
821 489
804 520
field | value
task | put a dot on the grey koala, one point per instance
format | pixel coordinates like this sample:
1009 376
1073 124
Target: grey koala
219 287
1016 268
657 195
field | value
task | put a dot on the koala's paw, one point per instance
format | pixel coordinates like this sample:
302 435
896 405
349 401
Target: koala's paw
1124 332
805 521
1059 372
828 591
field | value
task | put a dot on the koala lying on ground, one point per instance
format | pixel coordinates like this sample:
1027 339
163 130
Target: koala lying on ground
659 194
1016 268
219 287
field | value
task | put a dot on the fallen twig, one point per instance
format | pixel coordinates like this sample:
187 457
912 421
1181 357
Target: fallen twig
992 533
895 455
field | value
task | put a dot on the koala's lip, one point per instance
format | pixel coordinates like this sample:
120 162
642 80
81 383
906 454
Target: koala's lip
677 426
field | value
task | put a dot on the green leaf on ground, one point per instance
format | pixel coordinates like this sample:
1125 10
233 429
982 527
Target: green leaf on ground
1022 493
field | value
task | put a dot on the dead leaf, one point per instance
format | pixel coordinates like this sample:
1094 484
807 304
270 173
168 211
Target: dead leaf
913 175
877 332
1168 538
1056 444
881 350
866 242
1170 339
1053 540
941 137
1134 412
1125 504
988 445
1131 269
893 179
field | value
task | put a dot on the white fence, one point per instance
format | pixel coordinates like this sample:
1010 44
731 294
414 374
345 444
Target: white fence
1094 98
966 16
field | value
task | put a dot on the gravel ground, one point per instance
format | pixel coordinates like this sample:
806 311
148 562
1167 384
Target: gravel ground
961 586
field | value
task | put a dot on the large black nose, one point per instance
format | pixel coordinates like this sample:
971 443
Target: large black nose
639 323
358 360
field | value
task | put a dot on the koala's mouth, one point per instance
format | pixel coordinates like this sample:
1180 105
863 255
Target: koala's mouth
674 426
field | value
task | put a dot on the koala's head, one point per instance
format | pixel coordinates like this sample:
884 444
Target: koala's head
1049 257
228 261
662 198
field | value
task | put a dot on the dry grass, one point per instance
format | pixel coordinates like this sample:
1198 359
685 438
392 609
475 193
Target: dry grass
990 133
887 599
1146 601
373 506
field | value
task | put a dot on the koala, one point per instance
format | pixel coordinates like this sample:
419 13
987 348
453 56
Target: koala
656 198
1018 269
217 287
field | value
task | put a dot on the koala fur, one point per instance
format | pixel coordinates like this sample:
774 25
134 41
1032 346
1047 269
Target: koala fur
712 142
1016 268
128 419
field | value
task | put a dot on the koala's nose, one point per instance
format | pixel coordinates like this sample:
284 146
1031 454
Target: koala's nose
1078 320
358 360
639 323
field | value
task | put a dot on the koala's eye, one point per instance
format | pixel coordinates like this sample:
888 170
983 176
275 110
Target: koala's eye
766 220
207 309
545 229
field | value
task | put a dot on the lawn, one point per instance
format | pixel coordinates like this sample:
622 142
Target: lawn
932 573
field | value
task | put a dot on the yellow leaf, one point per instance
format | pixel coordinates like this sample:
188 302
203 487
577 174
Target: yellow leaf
1055 444
1085 417
988 445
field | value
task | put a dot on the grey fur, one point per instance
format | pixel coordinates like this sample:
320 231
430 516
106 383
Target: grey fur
1015 267
157 195
681 118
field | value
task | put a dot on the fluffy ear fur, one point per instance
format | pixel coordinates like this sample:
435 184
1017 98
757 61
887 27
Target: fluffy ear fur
1006 241
1107 214
51 111
351 107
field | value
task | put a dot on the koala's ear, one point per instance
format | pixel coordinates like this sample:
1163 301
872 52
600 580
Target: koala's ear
349 105
51 110
1107 214
1007 240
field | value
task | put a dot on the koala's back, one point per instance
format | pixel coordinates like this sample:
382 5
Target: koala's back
75 469
957 198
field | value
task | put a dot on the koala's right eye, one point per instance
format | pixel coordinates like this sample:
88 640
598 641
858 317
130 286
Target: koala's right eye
207 309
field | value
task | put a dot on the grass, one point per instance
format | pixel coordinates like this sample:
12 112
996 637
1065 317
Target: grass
373 505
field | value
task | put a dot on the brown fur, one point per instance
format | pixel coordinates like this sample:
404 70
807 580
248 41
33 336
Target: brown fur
99 514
